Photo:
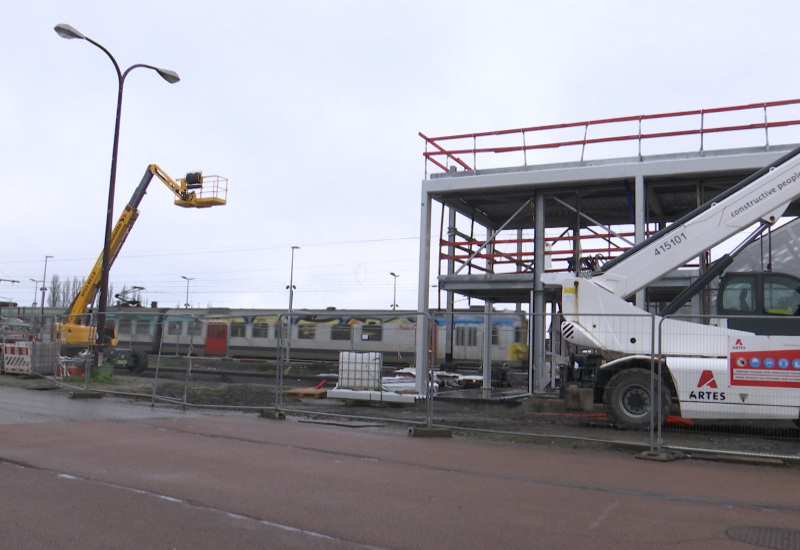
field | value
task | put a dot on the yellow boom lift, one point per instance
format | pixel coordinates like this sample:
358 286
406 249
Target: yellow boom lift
77 333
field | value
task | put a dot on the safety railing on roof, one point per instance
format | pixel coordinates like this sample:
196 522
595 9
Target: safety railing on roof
448 152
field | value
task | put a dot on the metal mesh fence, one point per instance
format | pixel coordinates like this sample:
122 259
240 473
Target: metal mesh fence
676 385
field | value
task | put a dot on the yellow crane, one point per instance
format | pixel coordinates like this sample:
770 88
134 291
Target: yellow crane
193 191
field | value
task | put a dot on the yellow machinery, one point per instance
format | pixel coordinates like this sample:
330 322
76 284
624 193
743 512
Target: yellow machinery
193 191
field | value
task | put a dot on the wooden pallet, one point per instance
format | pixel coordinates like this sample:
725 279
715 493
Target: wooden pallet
313 393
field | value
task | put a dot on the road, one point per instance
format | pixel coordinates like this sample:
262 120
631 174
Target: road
107 473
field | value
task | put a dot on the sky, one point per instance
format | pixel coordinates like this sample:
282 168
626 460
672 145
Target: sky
312 110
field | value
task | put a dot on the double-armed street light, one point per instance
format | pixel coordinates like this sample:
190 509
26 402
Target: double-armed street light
66 31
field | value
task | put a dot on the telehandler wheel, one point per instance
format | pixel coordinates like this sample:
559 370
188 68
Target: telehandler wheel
138 361
628 401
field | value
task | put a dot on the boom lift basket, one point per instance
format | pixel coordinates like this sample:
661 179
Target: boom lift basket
203 191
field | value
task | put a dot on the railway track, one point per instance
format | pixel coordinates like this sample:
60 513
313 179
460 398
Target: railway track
238 369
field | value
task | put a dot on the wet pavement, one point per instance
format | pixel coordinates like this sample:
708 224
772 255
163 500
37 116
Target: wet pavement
108 473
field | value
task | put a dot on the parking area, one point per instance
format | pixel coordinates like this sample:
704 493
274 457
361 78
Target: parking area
108 473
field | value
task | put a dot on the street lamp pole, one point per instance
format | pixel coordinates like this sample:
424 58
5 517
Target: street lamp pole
291 286
186 305
394 300
291 303
35 288
66 31
44 282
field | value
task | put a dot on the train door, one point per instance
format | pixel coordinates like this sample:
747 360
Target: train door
216 339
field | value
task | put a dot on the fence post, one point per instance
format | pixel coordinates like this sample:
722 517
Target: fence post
282 353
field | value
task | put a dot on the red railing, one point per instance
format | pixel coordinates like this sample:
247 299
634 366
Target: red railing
558 252
441 155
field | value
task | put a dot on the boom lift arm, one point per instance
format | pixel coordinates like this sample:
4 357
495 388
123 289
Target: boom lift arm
193 191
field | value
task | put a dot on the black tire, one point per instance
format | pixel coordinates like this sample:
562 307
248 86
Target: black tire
628 401
138 362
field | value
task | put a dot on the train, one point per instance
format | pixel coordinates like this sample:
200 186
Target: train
313 335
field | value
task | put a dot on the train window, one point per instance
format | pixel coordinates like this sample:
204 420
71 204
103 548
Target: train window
140 327
260 330
466 336
238 330
283 329
373 333
195 328
495 336
174 328
124 326
306 332
341 332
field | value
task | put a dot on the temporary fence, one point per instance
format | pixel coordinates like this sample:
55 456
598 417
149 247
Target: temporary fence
360 368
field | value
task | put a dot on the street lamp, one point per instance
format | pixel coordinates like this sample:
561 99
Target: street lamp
291 288
44 282
394 300
35 288
66 31
186 305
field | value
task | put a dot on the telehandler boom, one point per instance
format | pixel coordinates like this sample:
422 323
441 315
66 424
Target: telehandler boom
708 371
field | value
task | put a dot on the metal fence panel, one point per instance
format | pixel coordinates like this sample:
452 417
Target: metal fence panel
480 369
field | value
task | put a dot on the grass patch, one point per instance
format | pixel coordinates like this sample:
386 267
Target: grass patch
99 379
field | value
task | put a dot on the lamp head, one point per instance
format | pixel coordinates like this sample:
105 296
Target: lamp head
170 76
65 31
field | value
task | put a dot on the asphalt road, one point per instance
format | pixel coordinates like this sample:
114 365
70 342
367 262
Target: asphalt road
106 473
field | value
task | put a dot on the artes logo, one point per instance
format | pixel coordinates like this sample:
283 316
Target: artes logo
738 344
707 380
704 385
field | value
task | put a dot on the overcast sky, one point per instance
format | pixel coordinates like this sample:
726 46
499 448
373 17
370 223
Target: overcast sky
312 110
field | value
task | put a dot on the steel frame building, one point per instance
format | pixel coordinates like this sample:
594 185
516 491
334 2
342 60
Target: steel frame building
518 203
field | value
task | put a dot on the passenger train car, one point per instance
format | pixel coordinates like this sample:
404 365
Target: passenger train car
315 335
